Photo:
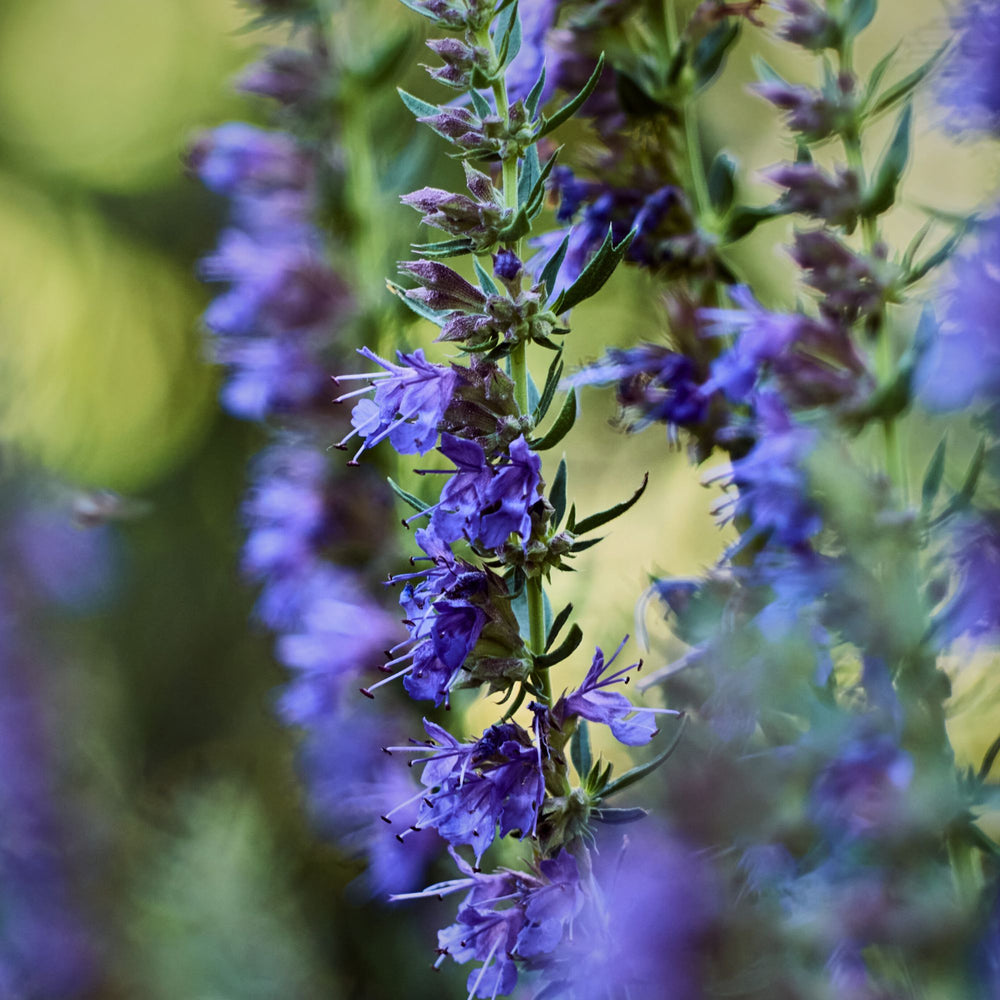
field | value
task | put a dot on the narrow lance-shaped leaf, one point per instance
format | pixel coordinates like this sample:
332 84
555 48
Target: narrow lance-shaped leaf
939 256
596 520
856 16
442 249
571 107
535 94
721 183
486 283
551 270
557 495
566 648
964 496
638 773
420 109
579 749
561 426
878 73
613 815
480 104
548 389
556 627
901 91
882 193
415 502
508 30
933 477
710 52
593 277
531 169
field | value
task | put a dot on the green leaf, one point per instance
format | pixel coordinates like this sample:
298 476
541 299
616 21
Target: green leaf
551 270
508 30
579 749
548 389
721 183
856 16
415 502
882 193
486 283
536 194
561 426
480 104
557 495
531 170
878 73
710 52
437 317
743 220
766 73
964 496
556 627
571 520
445 248
535 95
571 107
637 773
420 109
593 277
609 814
938 257
932 477
422 11
901 91
566 648
384 62
596 520
584 545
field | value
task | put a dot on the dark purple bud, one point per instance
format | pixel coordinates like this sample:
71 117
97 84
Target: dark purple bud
506 265
849 283
814 192
809 26
443 287
454 123
810 112
290 76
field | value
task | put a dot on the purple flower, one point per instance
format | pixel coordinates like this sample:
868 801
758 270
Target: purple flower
813 360
507 915
773 500
269 375
809 26
472 789
963 362
861 792
290 76
538 17
508 497
277 286
236 156
654 382
974 549
810 190
630 725
970 81
648 933
410 401
812 113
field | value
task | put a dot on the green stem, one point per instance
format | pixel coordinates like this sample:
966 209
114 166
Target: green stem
696 165
519 373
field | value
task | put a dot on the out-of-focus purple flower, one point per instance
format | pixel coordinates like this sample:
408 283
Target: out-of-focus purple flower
813 360
410 401
850 285
861 792
538 17
277 286
649 934
808 25
629 723
290 76
236 156
970 81
810 190
772 499
815 115
974 549
350 784
963 361
654 382
507 915
45 949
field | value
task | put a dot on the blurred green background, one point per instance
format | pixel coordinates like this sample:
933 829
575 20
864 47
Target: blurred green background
209 883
